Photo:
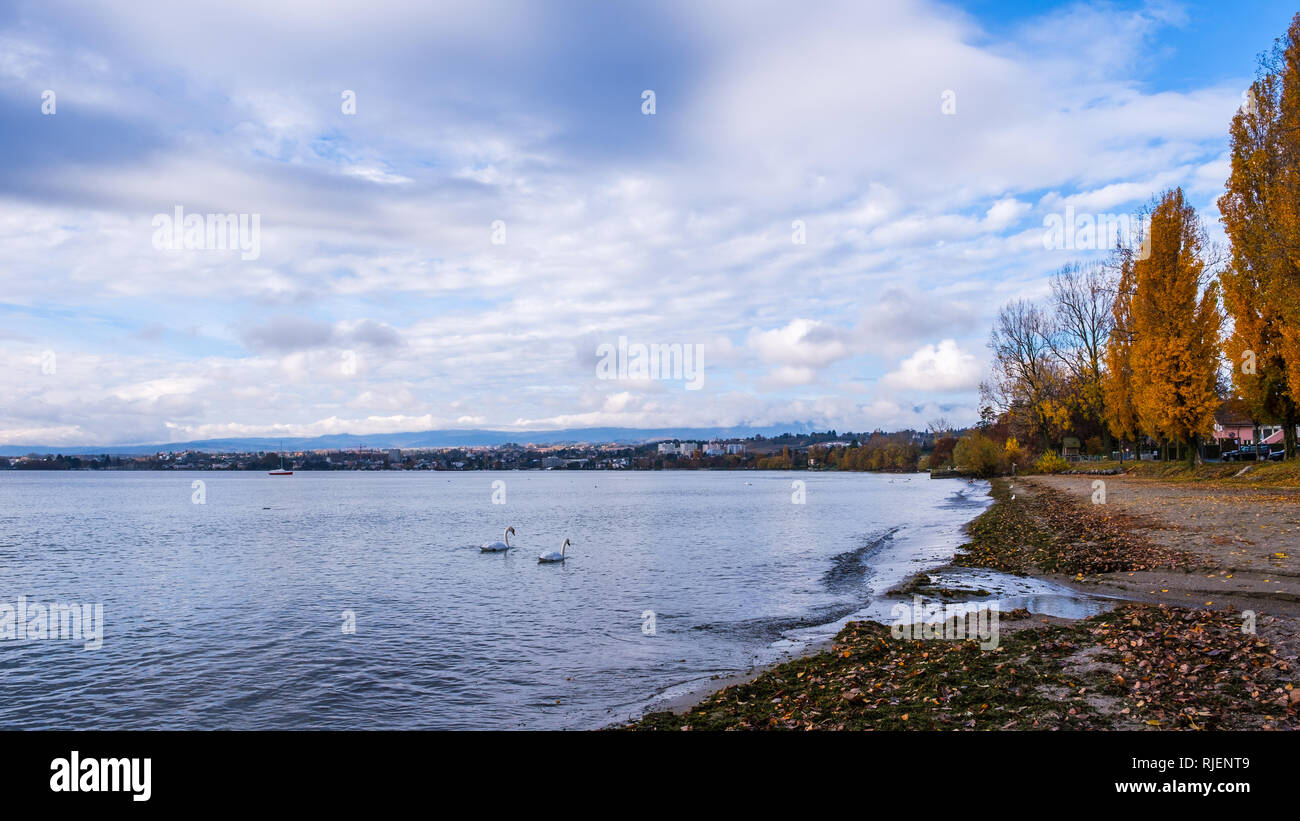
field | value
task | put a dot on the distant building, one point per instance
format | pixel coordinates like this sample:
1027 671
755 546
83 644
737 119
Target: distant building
552 462
683 449
1071 448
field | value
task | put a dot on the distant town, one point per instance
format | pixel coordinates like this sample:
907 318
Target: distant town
899 450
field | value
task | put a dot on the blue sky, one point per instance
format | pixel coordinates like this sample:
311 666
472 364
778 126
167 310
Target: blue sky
378 300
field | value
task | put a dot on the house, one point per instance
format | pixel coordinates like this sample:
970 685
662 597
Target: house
1233 423
1234 426
1071 448
1276 437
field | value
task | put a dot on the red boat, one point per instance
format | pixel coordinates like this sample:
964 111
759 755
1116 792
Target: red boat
281 471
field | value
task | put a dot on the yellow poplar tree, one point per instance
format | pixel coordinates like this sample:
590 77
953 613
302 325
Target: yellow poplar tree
1175 329
1285 203
1117 380
1263 348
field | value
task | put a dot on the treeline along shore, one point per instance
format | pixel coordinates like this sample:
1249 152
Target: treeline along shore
900 451
1141 351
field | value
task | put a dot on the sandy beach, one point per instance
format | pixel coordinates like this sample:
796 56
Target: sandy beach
1249 536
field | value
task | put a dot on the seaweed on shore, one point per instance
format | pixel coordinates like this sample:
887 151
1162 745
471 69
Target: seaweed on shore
1048 531
1139 667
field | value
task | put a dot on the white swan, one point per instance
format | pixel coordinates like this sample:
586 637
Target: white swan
553 556
497 547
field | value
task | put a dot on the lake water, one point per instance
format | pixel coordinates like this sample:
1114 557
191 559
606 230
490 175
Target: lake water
229 614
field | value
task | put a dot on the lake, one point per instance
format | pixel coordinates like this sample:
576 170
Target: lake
233 613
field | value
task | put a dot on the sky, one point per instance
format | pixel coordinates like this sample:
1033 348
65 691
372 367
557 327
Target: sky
454 211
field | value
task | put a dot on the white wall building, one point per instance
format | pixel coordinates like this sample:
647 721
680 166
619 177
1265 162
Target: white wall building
683 449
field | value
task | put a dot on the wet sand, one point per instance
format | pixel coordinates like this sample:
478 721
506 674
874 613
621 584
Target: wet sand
1249 536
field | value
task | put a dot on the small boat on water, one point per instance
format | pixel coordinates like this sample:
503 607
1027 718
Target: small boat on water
281 471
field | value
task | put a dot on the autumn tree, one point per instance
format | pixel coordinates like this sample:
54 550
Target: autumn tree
1117 381
1259 216
1286 201
1175 323
977 454
941 456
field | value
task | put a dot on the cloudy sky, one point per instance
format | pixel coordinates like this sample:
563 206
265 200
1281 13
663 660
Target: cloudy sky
499 205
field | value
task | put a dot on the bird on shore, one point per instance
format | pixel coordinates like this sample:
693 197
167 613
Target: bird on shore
554 556
497 547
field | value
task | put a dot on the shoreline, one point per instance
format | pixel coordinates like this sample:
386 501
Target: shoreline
684 701
1040 530
692 696
689 695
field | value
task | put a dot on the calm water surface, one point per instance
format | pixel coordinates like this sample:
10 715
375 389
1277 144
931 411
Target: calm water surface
228 614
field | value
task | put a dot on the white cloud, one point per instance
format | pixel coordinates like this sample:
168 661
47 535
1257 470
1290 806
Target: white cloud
1005 213
942 368
803 342
376 227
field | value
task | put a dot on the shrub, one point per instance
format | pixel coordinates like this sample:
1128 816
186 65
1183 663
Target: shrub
1050 462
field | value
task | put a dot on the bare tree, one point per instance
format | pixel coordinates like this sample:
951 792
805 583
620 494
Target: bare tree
940 426
1026 378
1083 298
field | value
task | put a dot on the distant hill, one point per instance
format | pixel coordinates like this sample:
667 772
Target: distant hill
422 439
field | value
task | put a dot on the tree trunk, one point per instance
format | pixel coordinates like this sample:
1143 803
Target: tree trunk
1288 435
